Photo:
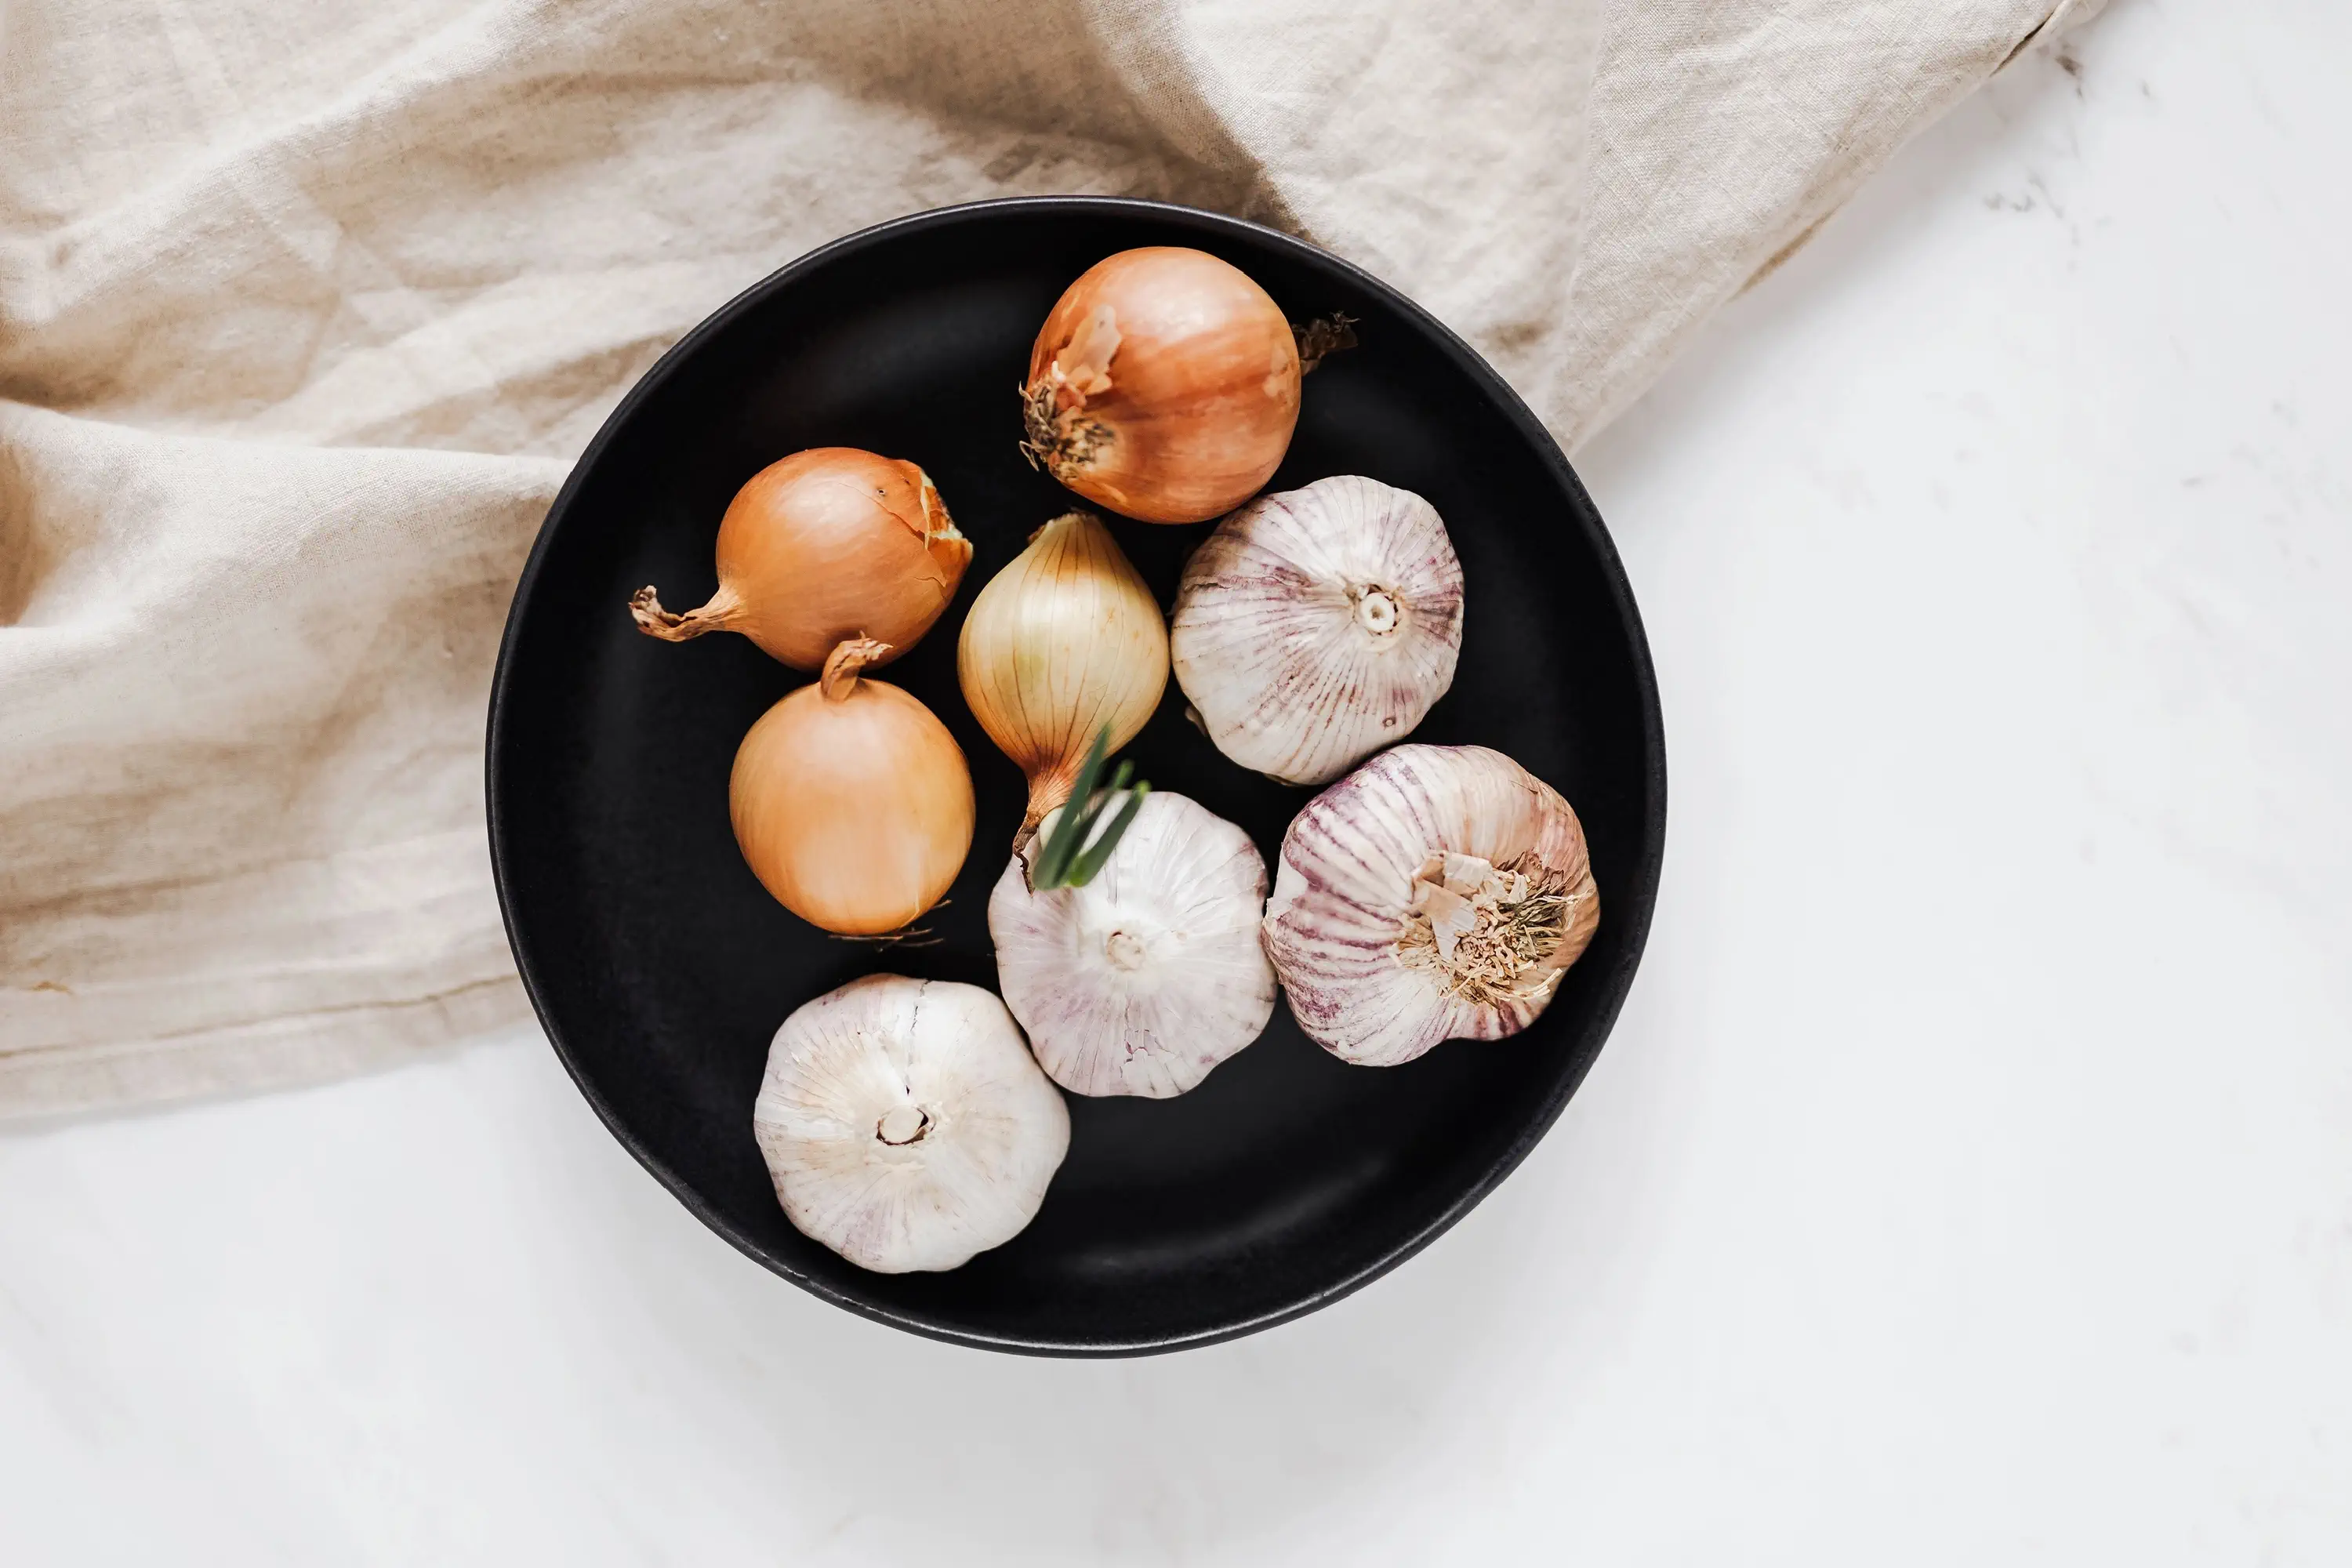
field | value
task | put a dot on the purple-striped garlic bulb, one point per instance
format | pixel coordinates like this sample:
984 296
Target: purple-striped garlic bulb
1316 626
1435 893
1146 977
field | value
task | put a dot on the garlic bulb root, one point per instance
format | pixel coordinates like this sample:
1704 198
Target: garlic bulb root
823 546
1148 976
1065 642
1164 384
851 802
905 1125
1437 892
1315 626
1489 933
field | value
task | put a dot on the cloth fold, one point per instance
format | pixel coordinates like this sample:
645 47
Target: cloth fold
305 309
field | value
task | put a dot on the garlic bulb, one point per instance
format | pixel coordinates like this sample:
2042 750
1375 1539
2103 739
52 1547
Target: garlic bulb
1152 973
905 1124
1316 626
1436 893
1064 642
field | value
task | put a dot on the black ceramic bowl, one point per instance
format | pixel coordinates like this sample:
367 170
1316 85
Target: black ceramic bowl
661 969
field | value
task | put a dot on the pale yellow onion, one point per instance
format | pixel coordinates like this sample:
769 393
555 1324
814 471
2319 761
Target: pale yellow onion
852 803
1164 384
827 546
1066 640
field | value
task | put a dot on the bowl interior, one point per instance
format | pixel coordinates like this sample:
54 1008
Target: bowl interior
661 969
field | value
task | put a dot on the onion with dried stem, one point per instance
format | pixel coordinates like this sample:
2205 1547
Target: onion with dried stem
851 802
824 546
1164 386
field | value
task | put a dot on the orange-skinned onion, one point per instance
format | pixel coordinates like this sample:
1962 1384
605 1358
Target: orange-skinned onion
852 803
827 546
1164 386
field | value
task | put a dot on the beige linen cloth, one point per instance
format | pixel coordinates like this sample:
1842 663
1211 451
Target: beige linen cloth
307 305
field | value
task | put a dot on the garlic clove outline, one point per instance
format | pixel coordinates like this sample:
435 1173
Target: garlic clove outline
905 1124
1146 978
1315 626
1435 893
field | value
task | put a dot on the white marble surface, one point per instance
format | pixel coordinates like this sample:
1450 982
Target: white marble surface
1969 1180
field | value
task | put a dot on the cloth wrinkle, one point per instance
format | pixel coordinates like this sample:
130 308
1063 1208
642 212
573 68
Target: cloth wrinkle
305 312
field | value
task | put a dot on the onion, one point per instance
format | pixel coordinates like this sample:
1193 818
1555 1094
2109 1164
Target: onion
1061 650
852 802
828 545
1164 386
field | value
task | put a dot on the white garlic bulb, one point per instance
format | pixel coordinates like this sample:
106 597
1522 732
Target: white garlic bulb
1316 626
906 1125
1152 973
1436 893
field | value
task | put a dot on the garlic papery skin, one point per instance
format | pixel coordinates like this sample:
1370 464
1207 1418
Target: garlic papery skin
1315 626
1152 973
1435 893
905 1124
1065 641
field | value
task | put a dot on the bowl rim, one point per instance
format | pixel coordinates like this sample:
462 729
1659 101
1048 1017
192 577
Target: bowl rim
1640 897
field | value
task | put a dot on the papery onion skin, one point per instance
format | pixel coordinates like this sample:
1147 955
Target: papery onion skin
1343 897
1151 975
827 546
1315 626
851 804
1066 640
1164 386
905 1124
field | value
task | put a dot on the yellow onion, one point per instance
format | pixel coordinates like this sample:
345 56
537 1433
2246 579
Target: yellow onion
827 545
852 802
1164 386
1063 643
